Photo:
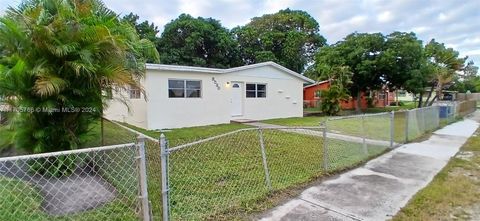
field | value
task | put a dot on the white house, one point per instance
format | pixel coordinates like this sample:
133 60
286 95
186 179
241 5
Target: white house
184 96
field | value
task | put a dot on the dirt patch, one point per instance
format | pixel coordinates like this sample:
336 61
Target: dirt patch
74 194
465 155
81 191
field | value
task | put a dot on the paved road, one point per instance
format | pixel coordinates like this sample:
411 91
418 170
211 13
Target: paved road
377 190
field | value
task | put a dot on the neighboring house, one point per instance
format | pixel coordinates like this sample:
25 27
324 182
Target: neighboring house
403 95
183 96
311 97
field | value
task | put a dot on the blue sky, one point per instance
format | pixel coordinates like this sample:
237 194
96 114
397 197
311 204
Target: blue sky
455 23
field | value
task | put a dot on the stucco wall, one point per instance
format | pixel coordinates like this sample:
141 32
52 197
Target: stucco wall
284 98
118 111
284 94
165 112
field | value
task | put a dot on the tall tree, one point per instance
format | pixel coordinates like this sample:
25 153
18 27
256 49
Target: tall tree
361 53
446 62
145 29
404 62
58 57
198 42
289 37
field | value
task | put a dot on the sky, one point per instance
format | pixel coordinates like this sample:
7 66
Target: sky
455 23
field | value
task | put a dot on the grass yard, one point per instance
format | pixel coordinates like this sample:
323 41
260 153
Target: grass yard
188 134
454 193
224 178
376 127
113 134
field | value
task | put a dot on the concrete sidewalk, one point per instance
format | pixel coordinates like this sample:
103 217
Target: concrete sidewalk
377 190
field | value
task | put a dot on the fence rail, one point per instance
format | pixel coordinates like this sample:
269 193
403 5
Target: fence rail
220 176
102 183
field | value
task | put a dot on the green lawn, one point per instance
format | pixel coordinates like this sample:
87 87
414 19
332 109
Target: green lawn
113 134
454 193
188 134
375 126
219 179
223 178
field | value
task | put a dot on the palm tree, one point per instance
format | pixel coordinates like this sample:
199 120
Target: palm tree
446 63
60 60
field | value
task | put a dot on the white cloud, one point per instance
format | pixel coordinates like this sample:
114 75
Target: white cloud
420 30
271 6
194 8
357 20
442 17
385 16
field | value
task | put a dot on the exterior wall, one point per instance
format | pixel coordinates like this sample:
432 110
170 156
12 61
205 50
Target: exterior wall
283 99
164 112
118 111
406 97
284 94
311 101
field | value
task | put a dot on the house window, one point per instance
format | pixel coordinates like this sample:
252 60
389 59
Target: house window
382 95
402 93
184 88
135 92
256 90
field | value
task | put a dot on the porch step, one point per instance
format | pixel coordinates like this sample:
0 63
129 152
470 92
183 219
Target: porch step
241 121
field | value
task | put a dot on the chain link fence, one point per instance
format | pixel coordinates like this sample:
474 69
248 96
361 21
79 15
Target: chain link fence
216 178
224 175
354 139
105 183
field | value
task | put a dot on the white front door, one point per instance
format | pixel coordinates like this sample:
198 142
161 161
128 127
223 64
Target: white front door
237 99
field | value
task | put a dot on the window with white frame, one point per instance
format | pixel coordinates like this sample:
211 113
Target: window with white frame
135 92
184 88
256 90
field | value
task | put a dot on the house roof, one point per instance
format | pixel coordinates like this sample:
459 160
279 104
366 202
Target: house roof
318 83
165 67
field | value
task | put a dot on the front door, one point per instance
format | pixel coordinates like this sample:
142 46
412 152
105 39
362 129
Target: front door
237 99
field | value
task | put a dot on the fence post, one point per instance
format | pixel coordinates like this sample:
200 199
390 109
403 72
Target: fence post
143 178
325 150
424 125
407 118
392 126
365 149
164 167
264 160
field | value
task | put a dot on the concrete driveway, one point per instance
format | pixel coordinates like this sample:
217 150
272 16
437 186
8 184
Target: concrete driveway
377 190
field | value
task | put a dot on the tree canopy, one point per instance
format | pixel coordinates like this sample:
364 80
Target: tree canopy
198 42
361 53
145 29
57 59
288 37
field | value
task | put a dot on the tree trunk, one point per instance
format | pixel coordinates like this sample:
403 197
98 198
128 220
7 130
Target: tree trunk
433 100
429 94
396 97
439 90
358 107
102 129
420 99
